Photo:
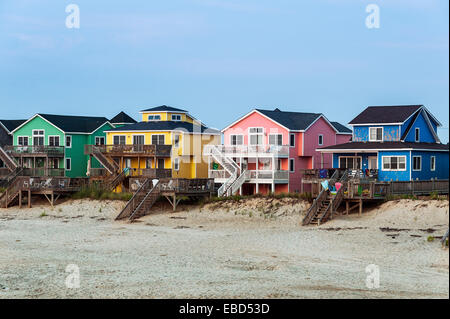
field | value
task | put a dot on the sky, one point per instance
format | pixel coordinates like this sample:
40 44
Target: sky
219 59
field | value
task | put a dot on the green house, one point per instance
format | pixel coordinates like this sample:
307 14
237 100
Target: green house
53 145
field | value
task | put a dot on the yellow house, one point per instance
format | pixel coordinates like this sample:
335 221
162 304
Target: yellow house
168 142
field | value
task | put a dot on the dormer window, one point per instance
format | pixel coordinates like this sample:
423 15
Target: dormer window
417 134
154 117
176 117
375 134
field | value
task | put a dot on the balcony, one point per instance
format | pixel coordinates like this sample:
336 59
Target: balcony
131 150
35 151
50 172
255 150
134 172
254 176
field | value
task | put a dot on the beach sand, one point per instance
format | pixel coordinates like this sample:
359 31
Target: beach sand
223 250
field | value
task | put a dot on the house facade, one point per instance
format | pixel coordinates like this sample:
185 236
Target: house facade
6 139
53 145
397 142
269 148
168 142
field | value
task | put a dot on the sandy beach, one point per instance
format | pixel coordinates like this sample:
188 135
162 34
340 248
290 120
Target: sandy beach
250 249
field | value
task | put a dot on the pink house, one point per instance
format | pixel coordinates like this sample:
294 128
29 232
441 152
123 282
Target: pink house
265 151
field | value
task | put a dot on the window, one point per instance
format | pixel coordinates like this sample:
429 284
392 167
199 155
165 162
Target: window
320 139
119 139
278 165
350 162
394 163
176 140
256 135
292 140
275 139
99 140
176 117
432 163
158 139
376 134
68 141
154 117
176 164
53 141
236 139
291 165
417 163
68 164
417 134
22 140
38 137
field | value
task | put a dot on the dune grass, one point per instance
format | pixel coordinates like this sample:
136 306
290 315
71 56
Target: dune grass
98 193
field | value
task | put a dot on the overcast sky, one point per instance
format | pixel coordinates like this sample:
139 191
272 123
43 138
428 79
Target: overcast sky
221 58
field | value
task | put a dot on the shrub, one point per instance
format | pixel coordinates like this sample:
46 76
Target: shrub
430 239
96 192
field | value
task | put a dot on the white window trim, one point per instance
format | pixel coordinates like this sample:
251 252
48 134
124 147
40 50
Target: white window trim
393 170
250 134
23 136
275 134
133 135
32 136
349 156
382 133
432 169
173 141
119 135
412 163
417 129
295 142
318 141
231 139
65 141
292 169
65 163
48 140
154 115
151 138
100 137
172 115
176 162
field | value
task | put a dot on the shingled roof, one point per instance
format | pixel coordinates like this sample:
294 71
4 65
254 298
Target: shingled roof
385 114
341 128
75 124
11 125
387 145
296 121
122 118
164 108
165 126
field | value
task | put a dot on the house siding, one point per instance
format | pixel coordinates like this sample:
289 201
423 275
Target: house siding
384 175
441 171
425 134
390 133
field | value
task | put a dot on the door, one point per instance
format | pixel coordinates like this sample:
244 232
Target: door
373 162
161 163
138 142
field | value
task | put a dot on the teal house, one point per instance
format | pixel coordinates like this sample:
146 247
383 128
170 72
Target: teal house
53 145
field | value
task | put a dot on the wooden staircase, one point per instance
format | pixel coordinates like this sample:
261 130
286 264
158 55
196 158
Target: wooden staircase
115 180
8 180
110 165
11 193
141 202
325 205
10 162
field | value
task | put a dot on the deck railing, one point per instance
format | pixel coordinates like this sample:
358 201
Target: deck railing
131 150
252 174
44 150
184 185
254 150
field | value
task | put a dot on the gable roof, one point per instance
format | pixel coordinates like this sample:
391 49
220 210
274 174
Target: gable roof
394 145
385 114
11 125
122 118
71 124
164 108
165 126
342 129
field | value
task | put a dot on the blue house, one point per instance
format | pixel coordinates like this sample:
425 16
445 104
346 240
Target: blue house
398 142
